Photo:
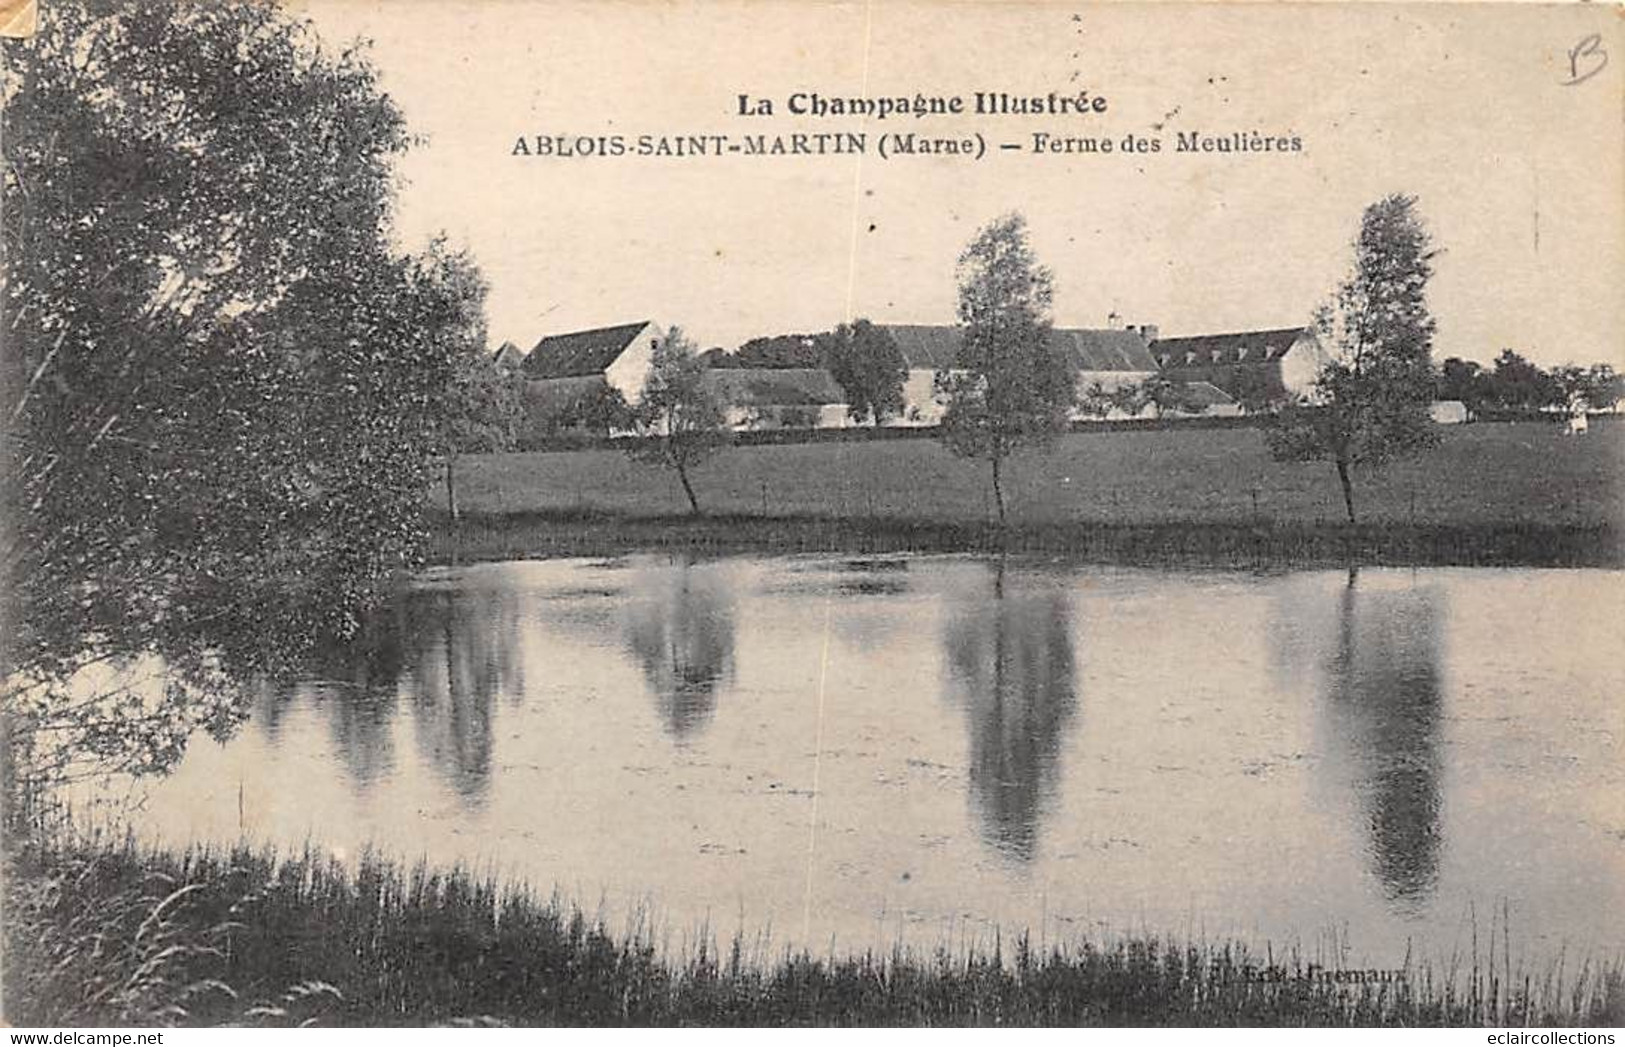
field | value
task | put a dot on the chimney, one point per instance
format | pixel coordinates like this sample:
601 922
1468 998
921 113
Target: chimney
1148 333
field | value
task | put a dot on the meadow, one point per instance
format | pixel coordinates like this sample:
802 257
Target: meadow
101 933
1489 493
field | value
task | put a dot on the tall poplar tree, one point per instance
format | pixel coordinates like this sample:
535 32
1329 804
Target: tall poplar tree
1011 388
1370 404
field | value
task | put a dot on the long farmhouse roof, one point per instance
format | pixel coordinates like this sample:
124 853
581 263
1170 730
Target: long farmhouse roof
1239 347
580 353
935 347
774 386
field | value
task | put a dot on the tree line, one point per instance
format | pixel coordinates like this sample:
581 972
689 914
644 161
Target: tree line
1514 384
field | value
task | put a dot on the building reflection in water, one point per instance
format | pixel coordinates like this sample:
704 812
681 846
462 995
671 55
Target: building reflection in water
1009 654
1381 688
679 626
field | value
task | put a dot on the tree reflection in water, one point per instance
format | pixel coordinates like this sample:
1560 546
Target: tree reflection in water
1011 666
679 625
1381 685
447 654
465 652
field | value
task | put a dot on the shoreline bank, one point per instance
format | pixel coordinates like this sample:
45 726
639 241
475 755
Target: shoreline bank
1256 545
252 937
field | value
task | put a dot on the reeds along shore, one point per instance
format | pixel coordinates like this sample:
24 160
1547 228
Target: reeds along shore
109 934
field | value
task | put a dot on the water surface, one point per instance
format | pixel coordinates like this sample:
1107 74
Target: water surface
862 751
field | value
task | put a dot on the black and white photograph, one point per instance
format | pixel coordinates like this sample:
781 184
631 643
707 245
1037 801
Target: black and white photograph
840 513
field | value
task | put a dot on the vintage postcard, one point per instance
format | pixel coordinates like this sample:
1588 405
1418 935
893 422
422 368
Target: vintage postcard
837 513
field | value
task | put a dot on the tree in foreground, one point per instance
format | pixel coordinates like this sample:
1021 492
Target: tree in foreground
1370 405
869 367
679 419
223 382
1011 389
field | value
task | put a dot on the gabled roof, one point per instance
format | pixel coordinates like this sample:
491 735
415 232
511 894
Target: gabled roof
507 355
580 353
1105 350
932 347
774 387
1239 347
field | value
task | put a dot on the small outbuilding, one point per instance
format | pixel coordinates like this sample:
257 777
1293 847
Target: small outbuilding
1448 412
779 397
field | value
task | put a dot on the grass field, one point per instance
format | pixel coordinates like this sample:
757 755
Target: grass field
1503 494
109 935
1509 473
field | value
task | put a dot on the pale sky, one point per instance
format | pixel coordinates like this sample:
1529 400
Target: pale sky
1520 176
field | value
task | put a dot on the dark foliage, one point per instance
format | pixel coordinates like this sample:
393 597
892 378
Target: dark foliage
679 420
1011 389
1370 405
224 385
869 367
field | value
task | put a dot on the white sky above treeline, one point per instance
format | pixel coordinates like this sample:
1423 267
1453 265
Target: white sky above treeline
1519 176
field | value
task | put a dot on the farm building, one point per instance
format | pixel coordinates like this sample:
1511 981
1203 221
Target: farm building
779 397
507 359
1202 399
1107 358
1448 412
1254 367
578 361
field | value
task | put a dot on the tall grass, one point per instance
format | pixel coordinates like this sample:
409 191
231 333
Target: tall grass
99 934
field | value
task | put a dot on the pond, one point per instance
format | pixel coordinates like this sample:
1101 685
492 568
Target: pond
850 753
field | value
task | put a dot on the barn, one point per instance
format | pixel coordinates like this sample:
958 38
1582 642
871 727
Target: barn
1256 368
619 356
778 397
1109 358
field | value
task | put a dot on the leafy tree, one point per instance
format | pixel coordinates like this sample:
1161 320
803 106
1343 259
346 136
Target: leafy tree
780 351
483 409
1251 388
1165 393
1464 380
1011 389
1096 401
869 367
680 421
604 411
1605 387
1370 404
601 411
1594 388
224 384
1520 384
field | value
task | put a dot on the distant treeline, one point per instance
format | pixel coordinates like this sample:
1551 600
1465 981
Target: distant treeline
1513 387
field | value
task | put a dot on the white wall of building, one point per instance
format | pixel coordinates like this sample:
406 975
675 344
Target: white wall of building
1301 365
631 368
